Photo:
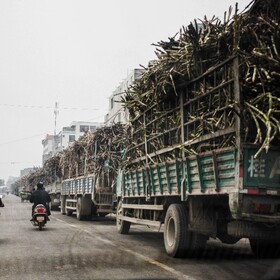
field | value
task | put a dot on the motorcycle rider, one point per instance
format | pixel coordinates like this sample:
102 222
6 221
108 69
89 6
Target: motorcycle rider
40 196
1 203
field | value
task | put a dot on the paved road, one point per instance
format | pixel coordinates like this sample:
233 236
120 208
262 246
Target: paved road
71 249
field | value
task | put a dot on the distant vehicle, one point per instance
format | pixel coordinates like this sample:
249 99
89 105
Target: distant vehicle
54 190
89 188
24 195
86 197
3 189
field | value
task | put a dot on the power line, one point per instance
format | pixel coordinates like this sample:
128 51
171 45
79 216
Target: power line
22 139
47 107
19 162
56 112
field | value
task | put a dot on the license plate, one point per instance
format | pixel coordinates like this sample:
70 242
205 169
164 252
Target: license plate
40 219
56 200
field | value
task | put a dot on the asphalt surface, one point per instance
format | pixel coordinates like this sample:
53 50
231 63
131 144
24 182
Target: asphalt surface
70 249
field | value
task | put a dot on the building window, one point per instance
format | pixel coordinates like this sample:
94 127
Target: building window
71 138
92 128
84 128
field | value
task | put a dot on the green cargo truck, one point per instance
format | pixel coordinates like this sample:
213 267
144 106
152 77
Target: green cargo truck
88 196
200 181
54 190
89 170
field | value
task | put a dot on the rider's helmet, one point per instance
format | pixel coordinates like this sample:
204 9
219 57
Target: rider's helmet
40 186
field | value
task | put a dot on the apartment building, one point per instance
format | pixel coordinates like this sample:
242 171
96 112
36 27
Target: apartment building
53 144
116 112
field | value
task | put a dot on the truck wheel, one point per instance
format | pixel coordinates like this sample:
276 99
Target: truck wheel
176 236
227 239
265 249
79 209
122 226
68 212
198 243
62 205
102 215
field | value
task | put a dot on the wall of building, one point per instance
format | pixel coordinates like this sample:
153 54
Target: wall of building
116 111
54 144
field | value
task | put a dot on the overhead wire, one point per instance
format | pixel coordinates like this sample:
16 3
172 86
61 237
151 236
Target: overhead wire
47 107
22 139
19 162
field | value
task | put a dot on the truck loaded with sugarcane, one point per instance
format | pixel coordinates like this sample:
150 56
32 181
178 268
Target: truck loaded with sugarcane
49 174
203 154
52 180
89 171
82 177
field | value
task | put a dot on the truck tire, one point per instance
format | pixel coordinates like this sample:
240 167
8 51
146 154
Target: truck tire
197 246
176 236
265 249
122 226
228 239
52 205
84 207
102 215
79 209
63 205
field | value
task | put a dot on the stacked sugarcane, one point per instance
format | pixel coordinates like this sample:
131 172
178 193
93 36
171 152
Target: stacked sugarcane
254 36
30 180
52 170
93 151
49 173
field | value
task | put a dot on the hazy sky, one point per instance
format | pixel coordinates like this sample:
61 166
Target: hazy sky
75 52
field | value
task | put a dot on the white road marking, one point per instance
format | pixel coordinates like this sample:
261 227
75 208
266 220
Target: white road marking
143 257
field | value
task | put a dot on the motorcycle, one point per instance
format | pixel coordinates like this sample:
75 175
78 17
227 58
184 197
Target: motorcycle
40 216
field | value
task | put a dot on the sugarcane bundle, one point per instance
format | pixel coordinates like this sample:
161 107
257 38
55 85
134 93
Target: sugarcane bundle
30 180
66 163
22 183
52 169
260 34
92 151
253 36
69 160
106 149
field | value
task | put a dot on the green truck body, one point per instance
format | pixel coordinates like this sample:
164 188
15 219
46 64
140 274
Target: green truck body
86 197
228 191
54 190
214 172
89 170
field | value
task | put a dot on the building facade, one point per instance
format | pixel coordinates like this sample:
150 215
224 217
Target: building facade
49 145
54 144
116 112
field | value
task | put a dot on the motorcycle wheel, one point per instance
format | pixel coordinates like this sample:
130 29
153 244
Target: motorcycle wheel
40 225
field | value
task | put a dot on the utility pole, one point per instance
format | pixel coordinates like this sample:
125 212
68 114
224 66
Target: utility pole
56 111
